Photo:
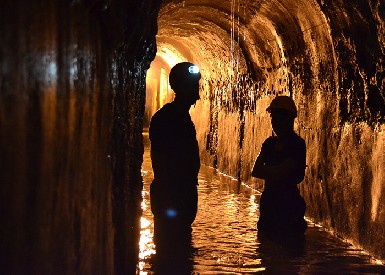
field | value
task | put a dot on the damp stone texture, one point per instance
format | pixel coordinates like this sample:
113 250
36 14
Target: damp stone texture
72 76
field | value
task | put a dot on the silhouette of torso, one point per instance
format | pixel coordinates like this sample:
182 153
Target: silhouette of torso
172 134
281 206
294 148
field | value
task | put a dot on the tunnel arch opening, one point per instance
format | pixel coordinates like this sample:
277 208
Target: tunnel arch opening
248 53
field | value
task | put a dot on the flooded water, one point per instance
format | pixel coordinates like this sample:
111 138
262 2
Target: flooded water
225 239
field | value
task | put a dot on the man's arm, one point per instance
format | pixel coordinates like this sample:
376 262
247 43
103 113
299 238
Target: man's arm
159 166
273 172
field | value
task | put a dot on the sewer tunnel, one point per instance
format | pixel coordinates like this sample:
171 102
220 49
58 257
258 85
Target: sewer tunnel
73 99
249 52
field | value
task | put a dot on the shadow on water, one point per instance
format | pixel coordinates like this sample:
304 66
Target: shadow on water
174 255
277 254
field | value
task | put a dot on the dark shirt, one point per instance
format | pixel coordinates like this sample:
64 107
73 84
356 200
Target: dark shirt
295 148
172 133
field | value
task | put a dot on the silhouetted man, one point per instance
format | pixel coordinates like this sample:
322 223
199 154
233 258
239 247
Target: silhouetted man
175 156
281 163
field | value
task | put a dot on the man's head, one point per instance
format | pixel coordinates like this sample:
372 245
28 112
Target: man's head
284 105
283 112
183 73
184 80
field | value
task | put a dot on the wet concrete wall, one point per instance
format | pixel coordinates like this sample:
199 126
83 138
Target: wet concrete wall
329 56
346 137
71 108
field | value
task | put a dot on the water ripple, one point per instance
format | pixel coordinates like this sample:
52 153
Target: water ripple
225 239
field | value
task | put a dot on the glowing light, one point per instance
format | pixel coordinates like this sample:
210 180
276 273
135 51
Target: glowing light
144 223
171 213
52 69
193 69
164 91
378 262
146 245
144 206
170 55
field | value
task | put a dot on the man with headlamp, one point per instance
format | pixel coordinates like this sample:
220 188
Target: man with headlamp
175 156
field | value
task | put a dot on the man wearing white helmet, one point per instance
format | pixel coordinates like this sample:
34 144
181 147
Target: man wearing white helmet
281 163
175 156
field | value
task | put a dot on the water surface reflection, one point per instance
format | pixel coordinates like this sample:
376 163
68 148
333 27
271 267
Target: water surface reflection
225 239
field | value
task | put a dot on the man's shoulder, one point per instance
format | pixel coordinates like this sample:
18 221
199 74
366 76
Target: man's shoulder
270 140
298 139
167 108
162 121
163 114
294 140
297 143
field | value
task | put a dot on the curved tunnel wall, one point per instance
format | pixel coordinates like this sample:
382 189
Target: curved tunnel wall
72 91
329 56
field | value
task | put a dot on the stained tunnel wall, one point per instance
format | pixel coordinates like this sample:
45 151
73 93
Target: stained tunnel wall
72 90
328 55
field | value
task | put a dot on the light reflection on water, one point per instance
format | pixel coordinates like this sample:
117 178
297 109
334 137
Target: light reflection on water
225 240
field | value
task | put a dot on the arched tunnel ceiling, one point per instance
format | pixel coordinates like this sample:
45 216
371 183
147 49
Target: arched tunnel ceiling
329 55
256 37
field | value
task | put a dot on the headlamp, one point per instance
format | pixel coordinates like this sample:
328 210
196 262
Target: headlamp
193 69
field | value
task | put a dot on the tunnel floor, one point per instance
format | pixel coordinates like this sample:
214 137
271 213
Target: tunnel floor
225 239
